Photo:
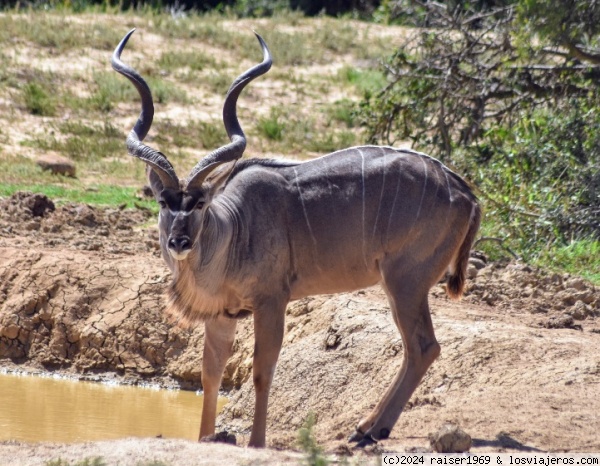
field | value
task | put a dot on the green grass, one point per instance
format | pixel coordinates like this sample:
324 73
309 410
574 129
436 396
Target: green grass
165 92
195 134
83 142
38 99
343 111
58 31
218 82
578 257
328 141
272 127
288 49
108 89
366 81
201 28
96 461
103 195
336 36
195 61
286 129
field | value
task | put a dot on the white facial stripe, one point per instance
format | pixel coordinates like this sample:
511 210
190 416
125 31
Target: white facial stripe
180 212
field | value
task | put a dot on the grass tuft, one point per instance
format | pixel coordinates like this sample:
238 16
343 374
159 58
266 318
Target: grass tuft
368 82
195 134
195 61
308 443
271 126
83 142
96 461
331 141
343 111
38 100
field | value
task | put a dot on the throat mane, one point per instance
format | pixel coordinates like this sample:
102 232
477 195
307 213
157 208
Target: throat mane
189 302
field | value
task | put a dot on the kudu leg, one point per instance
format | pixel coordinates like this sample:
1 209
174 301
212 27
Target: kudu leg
412 317
268 336
219 334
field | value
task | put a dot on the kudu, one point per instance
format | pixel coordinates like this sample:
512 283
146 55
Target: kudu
245 238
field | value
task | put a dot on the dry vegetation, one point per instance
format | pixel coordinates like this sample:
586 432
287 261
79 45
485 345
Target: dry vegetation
58 93
522 342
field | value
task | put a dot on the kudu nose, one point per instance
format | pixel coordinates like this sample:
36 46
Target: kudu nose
179 244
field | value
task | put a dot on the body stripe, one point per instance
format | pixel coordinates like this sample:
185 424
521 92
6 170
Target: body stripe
364 208
424 189
387 234
380 195
304 209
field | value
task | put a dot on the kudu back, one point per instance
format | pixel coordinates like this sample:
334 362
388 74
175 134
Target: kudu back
244 237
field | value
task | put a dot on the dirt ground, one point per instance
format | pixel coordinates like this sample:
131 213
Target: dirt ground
81 294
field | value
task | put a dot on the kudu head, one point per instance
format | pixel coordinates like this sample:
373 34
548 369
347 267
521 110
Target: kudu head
183 203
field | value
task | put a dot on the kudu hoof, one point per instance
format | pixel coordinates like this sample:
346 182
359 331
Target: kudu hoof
366 441
356 436
361 440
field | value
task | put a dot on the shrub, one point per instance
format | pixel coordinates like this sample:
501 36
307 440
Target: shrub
513 110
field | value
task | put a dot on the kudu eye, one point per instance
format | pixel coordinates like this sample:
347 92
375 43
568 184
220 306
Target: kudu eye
200 205
162 204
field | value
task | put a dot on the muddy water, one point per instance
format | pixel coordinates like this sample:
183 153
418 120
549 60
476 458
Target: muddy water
36 409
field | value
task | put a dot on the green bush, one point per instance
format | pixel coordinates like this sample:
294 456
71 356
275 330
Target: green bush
513 109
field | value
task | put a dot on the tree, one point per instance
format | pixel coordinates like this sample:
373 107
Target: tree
510 99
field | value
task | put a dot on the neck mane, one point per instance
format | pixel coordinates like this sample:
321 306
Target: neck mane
199 288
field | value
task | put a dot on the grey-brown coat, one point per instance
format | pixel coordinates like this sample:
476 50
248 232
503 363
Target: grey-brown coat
247 237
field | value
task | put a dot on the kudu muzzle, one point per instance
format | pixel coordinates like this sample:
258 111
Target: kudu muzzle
179 242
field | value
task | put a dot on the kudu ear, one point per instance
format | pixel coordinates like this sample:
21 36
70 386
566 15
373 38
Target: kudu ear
219 176
154 180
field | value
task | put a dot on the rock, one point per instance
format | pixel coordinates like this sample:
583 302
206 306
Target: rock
563 321
33 225
566 297
490 297
486 273
578 311
576 283
11 331
587 297
450 439
299 308
57 165
472 271
85 215
477 263
34 205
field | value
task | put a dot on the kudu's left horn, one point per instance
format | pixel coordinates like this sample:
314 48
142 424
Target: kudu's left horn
155 159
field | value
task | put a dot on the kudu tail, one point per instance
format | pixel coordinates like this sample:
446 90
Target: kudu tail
458 271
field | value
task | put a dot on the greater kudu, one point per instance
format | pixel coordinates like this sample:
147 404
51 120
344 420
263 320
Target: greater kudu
245 238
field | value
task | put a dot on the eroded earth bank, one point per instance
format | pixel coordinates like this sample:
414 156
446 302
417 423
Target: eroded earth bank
81 293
